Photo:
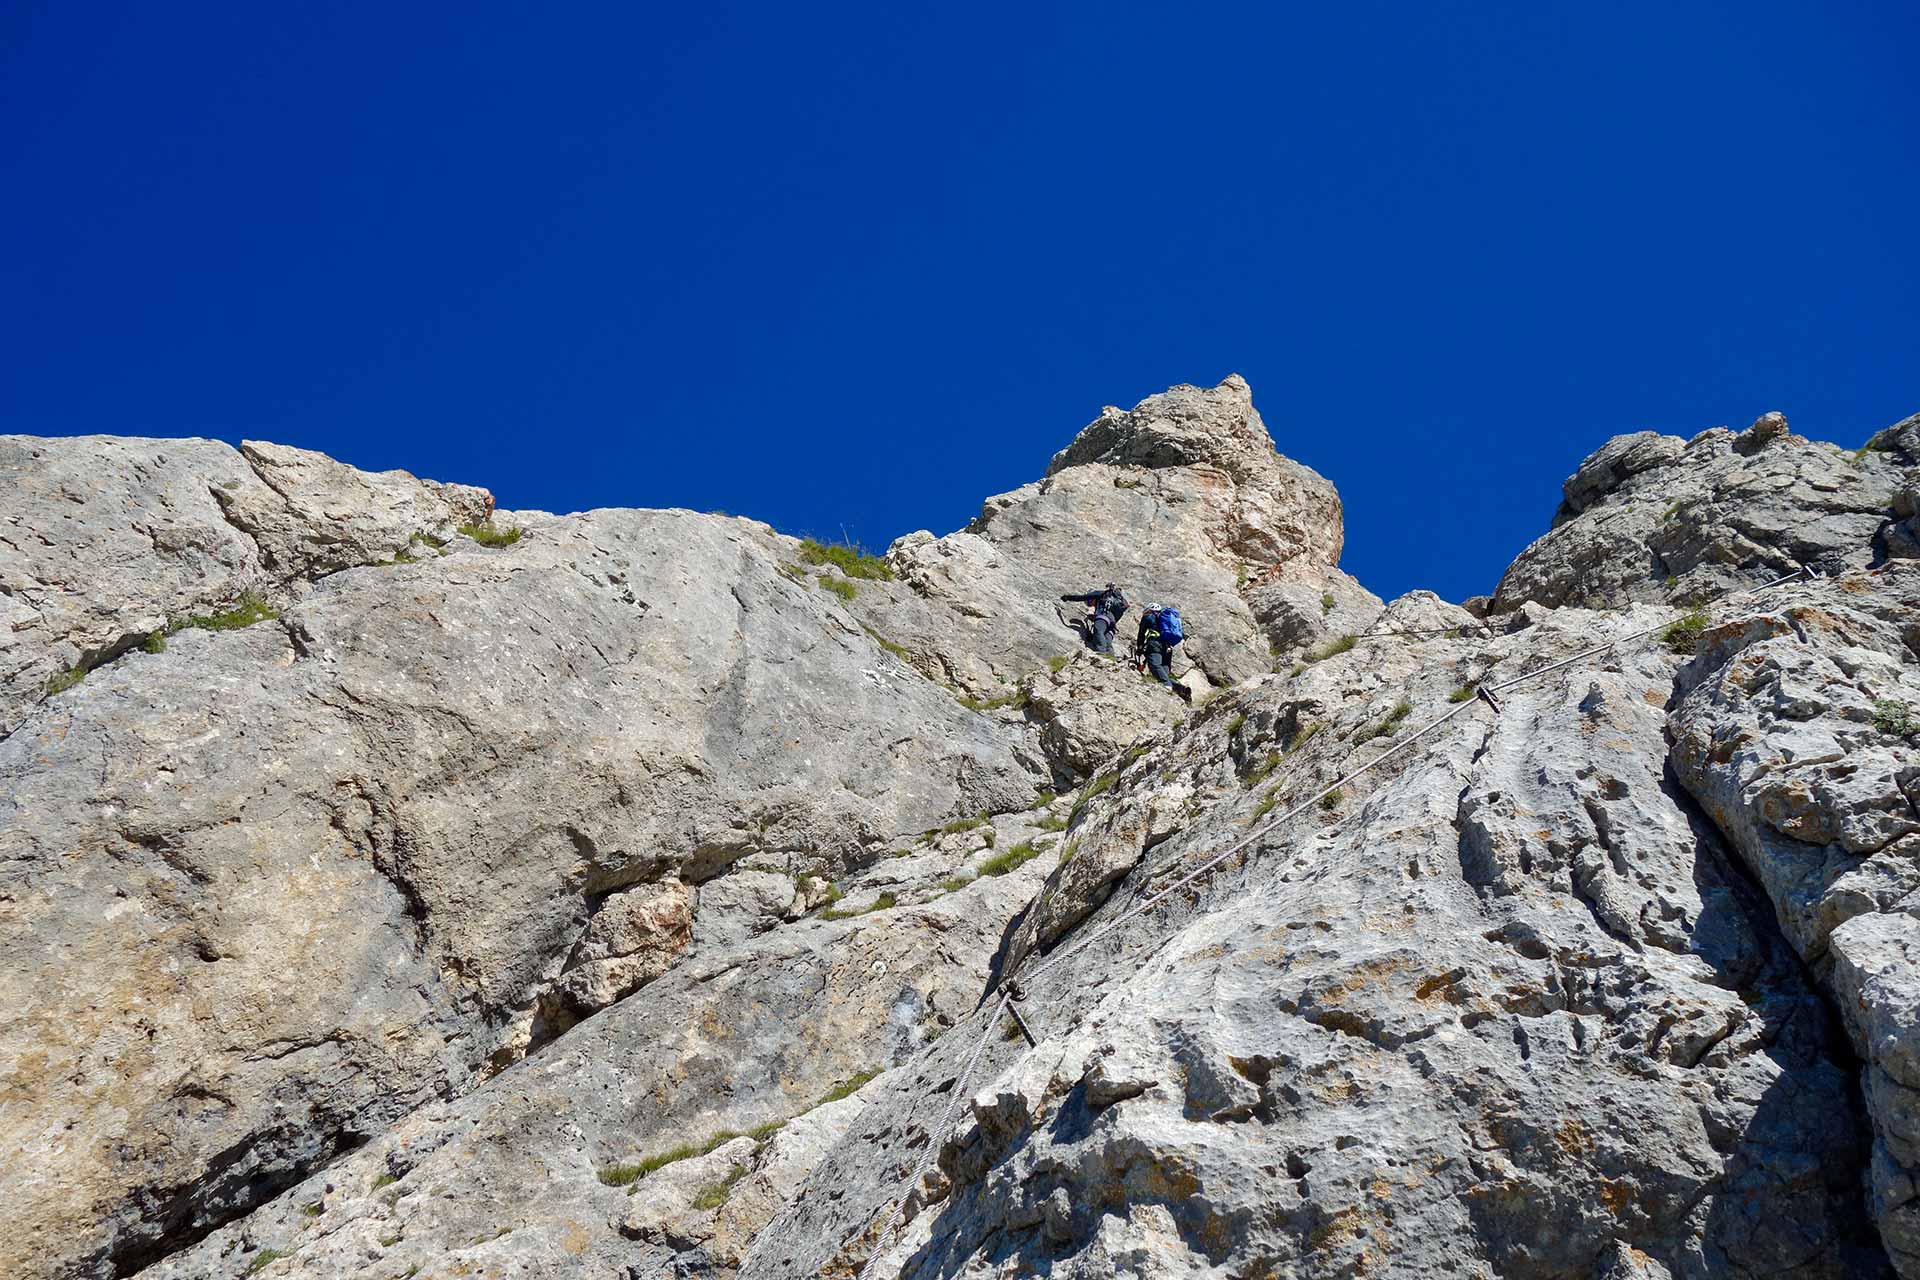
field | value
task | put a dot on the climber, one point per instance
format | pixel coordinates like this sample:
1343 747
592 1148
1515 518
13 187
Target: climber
1160 630
1104 609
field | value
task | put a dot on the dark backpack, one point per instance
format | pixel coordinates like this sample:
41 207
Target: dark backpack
1167 623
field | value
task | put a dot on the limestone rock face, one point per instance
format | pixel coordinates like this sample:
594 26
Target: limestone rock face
1182 500
1652 517
271 889
628 900
107 539
1506 1007
317 516
1777 737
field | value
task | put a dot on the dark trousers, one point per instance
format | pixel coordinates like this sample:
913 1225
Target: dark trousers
1100 632
1157 661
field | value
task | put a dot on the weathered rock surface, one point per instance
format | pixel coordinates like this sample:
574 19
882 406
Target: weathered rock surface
1777 738
1507 1008
525 1173
271 889
622 903
106 539
1181 499
1653 517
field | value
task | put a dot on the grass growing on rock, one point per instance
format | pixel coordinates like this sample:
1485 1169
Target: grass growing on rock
246 611
882 903
1260 772
1890 715
488 536
1683 634
850 1086
1009 860
1058 662
65 680
839 586
1017 699
964 824
264 1258
1464 692
847 557
1333 648
715 1194
887 645
1385 727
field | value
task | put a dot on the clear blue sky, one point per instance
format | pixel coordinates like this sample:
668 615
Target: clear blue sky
857 266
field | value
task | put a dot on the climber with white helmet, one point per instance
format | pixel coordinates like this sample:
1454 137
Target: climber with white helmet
1160 630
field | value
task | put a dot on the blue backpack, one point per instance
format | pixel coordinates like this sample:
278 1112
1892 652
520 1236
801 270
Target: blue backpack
1167 623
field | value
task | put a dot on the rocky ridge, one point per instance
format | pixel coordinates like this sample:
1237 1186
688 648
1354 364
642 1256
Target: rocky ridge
621 899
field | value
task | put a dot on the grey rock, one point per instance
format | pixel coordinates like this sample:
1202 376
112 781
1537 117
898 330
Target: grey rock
395 931
344 863
1776 737
1649 517
1181 500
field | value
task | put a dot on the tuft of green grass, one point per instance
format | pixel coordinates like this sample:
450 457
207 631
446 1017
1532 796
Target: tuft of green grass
488 536
1890 715
954 883
1236 724
1464 692
435 542
1017 699
886 644
1267 802
715 1194
963 824
847 1088
627 1173
1057 662
881 903
313 1210
1067 850
249 609
1052 822
1260 772
156 642
1009 860
1385 727
1307 734
1298 667
65 680
847 557
1330 801
402 556
1326 602
1044 798
1100 783
839 586
264 1258
1683 634
761 1132
1333 648
384 1180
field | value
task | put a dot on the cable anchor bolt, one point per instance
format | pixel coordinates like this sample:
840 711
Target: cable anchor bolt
1486 695
1016 994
